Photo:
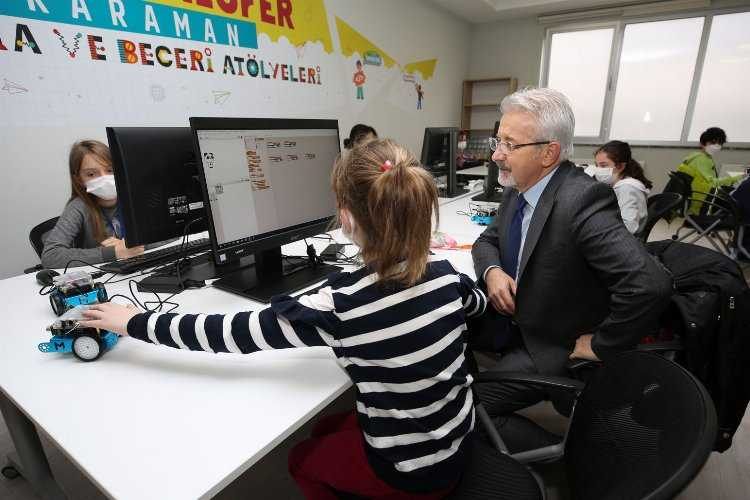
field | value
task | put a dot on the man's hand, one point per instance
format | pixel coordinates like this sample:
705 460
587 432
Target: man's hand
583 349
109 316
501 290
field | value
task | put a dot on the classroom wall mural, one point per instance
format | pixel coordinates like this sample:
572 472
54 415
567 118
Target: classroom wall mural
70 68
67 62
367 53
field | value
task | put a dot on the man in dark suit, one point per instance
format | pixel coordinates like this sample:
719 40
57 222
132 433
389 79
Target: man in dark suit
566 278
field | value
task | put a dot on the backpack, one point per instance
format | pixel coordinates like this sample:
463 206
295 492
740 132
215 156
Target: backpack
710 312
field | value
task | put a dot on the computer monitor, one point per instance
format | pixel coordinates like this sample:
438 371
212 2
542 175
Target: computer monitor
492 190
267 182
158 186
439 149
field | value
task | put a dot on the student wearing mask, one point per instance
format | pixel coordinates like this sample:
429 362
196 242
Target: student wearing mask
360 134
395 325
615 166
90 229
702 167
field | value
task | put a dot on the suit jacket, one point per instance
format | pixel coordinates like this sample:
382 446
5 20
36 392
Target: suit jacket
581 271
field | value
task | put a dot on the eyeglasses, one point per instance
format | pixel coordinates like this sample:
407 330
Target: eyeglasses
508 147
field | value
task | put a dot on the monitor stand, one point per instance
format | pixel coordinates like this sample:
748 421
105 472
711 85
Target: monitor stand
269 277
203 267
194 271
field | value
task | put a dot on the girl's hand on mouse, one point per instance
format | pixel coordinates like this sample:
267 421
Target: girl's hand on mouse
109 316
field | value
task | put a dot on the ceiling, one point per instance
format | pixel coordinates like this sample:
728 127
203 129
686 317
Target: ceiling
483 11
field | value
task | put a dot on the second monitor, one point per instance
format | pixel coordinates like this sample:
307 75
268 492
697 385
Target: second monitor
158 185
267 182
439 150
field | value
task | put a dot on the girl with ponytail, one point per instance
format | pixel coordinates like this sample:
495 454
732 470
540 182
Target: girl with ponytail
395 326
615 166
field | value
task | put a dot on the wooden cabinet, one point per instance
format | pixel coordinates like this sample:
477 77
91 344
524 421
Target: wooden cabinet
481 99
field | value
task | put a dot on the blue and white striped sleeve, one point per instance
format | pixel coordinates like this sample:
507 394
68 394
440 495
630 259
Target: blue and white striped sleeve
291 325
473 298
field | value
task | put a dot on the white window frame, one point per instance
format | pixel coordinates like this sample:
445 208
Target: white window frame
614 51
614 67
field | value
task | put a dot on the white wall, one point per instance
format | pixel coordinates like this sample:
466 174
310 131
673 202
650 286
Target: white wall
514 48
33 148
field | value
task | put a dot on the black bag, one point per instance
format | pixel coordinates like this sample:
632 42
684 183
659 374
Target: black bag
710 311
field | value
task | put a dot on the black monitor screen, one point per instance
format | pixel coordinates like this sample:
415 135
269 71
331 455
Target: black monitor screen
267 180
436 147
439 150
158 184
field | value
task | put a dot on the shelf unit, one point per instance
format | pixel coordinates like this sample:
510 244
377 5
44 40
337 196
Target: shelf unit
480 100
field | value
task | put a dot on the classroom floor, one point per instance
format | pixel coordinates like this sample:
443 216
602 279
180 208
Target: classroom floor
726 476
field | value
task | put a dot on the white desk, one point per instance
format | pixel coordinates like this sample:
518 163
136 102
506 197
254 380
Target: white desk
481 170
147 422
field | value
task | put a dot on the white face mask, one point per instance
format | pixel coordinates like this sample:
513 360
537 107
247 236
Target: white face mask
604 174
462 144
712 149
103 187
505 178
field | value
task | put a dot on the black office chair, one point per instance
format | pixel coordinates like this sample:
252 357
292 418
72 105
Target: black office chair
680 183
660 206
718 219
36 238
642 428
38 232
739 250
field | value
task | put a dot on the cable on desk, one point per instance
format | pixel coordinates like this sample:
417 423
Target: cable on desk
130 299
159 301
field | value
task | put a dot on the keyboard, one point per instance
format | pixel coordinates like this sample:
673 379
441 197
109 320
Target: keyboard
156 257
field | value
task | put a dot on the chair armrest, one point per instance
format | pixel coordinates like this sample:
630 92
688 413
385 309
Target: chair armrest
672 345
656 347
550 382
577 364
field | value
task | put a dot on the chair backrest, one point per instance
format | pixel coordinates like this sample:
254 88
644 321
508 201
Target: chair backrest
680 183
38 232
642 429
660 206
723 200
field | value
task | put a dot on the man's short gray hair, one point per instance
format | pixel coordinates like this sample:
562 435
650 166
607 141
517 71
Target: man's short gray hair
552 112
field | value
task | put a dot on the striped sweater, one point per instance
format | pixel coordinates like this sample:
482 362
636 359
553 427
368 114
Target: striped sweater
402 347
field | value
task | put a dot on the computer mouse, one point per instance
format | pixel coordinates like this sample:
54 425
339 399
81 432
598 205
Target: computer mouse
44 277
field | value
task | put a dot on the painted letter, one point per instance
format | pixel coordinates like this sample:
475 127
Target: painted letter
284 11
32 7
234 38
22 31
151 21
79 7
117 11
208 32
96 49
181 24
